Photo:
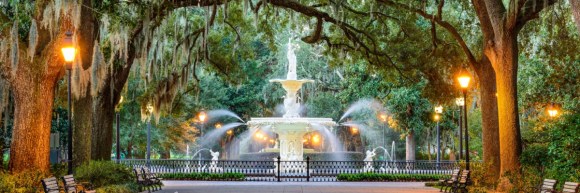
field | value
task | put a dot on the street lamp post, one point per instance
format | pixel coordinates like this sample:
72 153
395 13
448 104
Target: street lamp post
384 120
464 83
201 117
460 102
118 148
150 111
117 135
69 52
438 110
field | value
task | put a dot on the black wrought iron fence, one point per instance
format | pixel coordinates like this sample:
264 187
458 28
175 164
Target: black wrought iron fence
292 170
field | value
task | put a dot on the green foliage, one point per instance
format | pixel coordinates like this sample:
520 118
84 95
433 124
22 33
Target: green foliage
480 177
6 183
123 188
410 110
564 149
104 173
389 177
28 181
203 176
535 155
475 134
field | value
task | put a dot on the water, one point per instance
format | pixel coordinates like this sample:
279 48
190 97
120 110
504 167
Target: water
335 144
198 151
387 155
370 104
247 136
213 114
215 134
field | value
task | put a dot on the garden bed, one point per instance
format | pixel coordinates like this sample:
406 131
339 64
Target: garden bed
370 177
203 176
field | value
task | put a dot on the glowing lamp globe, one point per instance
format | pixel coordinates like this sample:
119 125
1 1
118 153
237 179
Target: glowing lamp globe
459 101
383 117
552 110
68 49
439 109
354 130
464 80
202 116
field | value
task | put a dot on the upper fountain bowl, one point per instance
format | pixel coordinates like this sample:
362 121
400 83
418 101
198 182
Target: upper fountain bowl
292 86
291 124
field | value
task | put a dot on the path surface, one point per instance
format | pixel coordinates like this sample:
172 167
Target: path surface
294 187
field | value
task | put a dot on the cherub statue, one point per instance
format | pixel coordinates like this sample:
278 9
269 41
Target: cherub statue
369 155
214 155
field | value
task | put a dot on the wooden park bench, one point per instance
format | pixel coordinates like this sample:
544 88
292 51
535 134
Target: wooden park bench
50 185
447 183
71 186
141 180
548 186
152 178
463 182
571 187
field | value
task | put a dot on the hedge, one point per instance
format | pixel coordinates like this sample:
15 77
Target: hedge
203 176
390 177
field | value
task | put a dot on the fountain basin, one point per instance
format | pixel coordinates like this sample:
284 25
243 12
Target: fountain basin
290 133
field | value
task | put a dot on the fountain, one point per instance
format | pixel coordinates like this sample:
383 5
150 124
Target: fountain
290 128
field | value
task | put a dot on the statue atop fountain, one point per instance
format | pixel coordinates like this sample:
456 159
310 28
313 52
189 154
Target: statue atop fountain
291 61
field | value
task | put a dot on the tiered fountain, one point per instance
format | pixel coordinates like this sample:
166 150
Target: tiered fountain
291 128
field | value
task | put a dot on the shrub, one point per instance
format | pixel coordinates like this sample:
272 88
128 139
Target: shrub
202 176
6 183
104 173
124 188
28 181
480 177
389 177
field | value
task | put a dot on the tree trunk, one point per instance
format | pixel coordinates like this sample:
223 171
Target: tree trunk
489 117
452 155
83 106
33 91
165 153
576 12
129 151
505 63
82 126
410 147
103 124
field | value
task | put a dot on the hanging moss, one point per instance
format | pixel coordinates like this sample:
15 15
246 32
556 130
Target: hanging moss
80 81
32 39
99 71
14 47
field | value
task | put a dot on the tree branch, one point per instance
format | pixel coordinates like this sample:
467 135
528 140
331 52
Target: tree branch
446 25
496 12
529 10
316 34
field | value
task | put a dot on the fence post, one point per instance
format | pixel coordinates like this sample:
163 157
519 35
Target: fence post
307 168
278 169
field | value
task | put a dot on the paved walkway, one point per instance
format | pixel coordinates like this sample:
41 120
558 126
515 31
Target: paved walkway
294 187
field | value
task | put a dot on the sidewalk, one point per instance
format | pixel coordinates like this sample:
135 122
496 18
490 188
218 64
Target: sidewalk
294 187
